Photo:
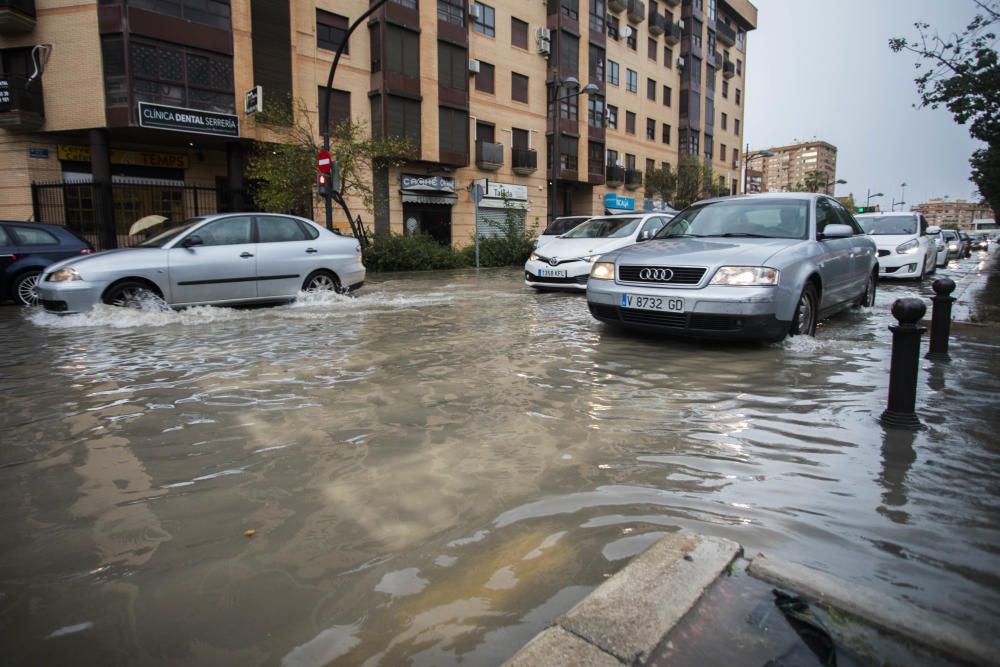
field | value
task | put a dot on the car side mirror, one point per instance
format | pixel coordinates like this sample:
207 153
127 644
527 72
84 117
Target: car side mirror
837 232
192 240
933 229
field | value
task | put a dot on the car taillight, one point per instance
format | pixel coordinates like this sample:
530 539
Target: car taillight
86 251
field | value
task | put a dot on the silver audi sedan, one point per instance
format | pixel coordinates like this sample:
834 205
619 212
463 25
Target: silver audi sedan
757 267
232 258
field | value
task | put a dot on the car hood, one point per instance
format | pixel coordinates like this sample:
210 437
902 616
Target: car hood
890 241
703 252
120 257
568 248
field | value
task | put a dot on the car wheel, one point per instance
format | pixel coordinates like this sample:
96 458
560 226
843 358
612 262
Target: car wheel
24 288
130 294
867 298
322 281
923 270
804 319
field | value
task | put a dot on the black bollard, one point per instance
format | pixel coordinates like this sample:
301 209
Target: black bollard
941 319
905 363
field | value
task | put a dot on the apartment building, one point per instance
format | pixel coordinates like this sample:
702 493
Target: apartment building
121 108
954 213
801 165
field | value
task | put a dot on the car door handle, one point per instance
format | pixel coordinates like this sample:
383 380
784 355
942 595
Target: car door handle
246 254
311 250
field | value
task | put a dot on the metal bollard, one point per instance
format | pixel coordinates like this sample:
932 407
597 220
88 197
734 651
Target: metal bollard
941 319
905 363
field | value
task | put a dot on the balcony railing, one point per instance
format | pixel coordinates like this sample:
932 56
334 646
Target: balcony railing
673 34
617 6
726 34
524 161
614 176
21 107
728 69
657 23
636 11
715 60
16 16
633 179
489 156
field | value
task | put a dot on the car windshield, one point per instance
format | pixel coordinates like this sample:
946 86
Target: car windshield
605 228
949 234
888 225
561 226
762 218
168 235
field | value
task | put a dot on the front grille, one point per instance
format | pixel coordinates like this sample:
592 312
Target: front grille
55 306
682 275
698 321
884 253
675 320
559 260
573 280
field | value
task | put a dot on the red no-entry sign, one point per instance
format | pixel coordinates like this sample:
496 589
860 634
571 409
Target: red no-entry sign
323 161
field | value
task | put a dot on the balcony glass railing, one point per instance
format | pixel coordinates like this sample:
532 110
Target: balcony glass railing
524 160
615 175
489 155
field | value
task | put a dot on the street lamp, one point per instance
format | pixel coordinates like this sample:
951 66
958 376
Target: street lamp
872 196
748 157
837 182
902 192
570 84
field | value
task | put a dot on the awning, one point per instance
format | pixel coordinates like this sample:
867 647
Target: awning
445 199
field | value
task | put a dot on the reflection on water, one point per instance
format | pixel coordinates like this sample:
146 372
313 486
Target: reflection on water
438 467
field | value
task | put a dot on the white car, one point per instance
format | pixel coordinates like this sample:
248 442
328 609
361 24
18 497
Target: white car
560 226
565 261
941 246
906 247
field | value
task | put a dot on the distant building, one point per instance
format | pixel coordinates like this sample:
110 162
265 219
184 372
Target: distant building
793 167
755 180
953 214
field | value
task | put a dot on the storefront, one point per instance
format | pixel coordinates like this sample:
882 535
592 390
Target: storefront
427 202
503 204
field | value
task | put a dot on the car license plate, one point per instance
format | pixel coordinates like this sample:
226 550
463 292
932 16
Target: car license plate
664 304
552 273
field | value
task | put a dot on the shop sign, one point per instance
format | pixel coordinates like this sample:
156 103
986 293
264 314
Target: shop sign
612 200
138 158
162 117
511 191
5 95
38 153
254 101
431 183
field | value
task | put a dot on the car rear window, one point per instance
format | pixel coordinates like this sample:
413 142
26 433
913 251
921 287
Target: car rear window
29 236
4 239
602 228
888 225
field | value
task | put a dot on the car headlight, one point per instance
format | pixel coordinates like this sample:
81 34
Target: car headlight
592 258
65 275
534 257
908 248
952 246
603 271
743 276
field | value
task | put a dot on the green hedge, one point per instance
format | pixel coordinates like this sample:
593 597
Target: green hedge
420 252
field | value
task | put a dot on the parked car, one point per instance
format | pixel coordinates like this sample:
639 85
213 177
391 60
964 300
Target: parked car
564 262
753 267
981 242
560 226
231 258
941 247
954 242
26 248
906 248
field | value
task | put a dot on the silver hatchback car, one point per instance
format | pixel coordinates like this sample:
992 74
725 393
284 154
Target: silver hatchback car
231 258
752 267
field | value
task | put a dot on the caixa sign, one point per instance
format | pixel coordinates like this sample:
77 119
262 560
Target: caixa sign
615 201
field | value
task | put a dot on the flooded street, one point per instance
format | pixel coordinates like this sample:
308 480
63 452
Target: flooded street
436 468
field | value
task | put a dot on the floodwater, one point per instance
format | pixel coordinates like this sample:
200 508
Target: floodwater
436 468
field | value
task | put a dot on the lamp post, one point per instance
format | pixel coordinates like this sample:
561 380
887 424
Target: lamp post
571 84
871 196
902 192
748 157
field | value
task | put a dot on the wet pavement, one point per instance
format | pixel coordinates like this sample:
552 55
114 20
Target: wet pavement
437 468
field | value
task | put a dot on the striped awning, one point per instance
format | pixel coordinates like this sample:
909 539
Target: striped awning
445 199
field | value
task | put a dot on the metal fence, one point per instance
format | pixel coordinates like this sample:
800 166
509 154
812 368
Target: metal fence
71 204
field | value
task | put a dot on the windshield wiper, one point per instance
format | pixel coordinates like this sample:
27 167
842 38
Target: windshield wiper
741 235
679 236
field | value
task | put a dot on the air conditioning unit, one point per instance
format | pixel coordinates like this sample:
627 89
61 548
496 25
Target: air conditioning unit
473 65
543 34
475 11
680 62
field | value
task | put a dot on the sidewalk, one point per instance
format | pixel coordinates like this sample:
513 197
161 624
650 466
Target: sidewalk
978 293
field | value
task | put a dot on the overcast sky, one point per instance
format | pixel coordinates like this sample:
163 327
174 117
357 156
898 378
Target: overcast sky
821 69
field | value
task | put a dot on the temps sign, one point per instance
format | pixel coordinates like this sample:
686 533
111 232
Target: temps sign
162 117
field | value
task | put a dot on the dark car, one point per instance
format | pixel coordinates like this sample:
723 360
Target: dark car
966 244
26 248
981 242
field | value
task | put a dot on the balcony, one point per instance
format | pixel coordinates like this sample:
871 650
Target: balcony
726 34
523 160
21 108
728 69
657 23
489 156
633 179
636 11
672 3
16 16
715 60
617 6
673 34
615 176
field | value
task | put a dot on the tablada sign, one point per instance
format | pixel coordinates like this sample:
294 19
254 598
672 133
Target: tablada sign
188 120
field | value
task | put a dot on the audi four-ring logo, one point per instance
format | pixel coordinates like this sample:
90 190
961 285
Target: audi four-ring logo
656 275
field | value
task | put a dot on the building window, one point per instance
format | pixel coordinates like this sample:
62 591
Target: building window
403 119
519 139
484 80
340 105
176 76
402 52
668 57
736 126
613 27
570 8
632 41
486 23
709 112
597 14
453 131
519 87
485 132
739 67
665 137
629 161
612 117
629 122
650 165
208 12
569 51
331 30
452 11
453 66
740 39
612 73
651 129
569 108
725 89
736 155
376 48
568 154
595 155
612 158
596 63
595 111
737 97
725 120
684 105
632 80
668 94
722 152
650 89
651 49
518 33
